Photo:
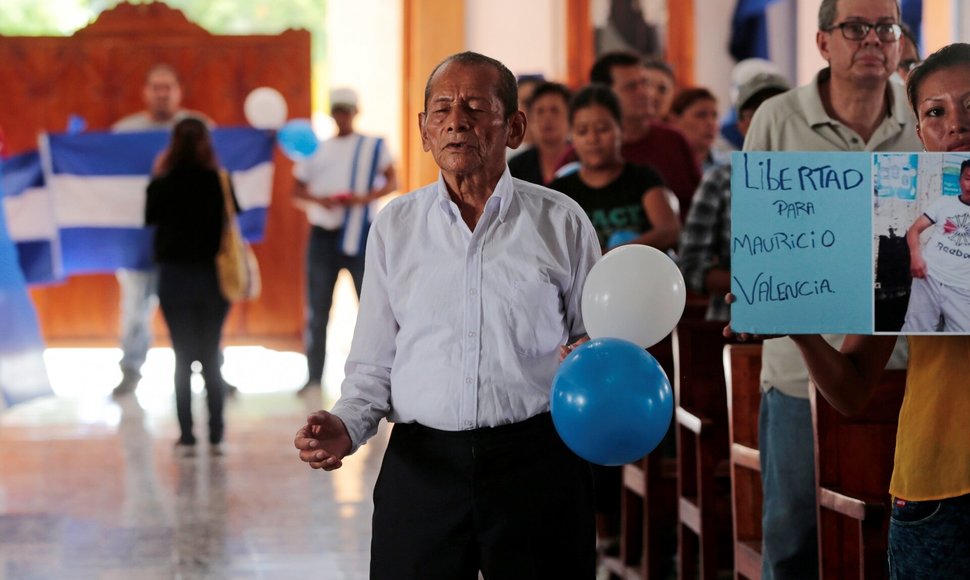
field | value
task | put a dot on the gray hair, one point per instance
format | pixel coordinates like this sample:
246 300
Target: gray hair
828 11
507 90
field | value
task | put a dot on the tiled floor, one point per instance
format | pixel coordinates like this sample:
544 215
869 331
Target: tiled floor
90 488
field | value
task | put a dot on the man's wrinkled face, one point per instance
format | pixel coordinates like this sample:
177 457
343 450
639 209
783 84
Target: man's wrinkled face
464 125
162 94
869 60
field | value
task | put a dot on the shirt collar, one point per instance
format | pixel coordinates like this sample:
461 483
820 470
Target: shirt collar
811 102
503 194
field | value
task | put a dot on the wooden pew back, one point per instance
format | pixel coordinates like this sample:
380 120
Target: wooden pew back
742 373
702 447
853 465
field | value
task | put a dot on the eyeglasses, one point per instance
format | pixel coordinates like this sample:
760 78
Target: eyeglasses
885 31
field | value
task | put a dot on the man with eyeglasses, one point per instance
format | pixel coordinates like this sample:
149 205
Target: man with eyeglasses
850 105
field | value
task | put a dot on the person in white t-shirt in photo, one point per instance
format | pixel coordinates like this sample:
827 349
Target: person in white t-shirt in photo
940 297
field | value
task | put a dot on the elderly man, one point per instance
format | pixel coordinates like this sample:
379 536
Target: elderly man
162 95
471 286
850 106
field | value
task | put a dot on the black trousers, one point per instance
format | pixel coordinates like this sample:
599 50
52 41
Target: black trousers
324 261
195 311
512 501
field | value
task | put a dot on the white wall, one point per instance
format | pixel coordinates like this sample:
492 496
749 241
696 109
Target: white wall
809 61
791 43
364 40
528 36
712 67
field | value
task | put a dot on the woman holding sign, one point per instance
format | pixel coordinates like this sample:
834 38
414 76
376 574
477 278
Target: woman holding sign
929 535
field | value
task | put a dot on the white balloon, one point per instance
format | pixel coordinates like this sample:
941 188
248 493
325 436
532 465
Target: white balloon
634 292
265 108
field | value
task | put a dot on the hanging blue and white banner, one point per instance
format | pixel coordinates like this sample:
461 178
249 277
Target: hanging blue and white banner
30 219
84 196
23 375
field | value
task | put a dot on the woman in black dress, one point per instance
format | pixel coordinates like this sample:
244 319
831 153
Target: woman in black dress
185 204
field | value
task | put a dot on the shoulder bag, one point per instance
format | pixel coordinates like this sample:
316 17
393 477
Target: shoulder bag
236 263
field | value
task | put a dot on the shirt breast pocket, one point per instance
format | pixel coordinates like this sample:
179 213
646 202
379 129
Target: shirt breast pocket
535 318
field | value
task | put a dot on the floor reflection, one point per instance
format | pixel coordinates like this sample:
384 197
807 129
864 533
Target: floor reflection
90 488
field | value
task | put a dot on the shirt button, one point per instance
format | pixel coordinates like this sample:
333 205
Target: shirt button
468 380
468 423
472 292
471 334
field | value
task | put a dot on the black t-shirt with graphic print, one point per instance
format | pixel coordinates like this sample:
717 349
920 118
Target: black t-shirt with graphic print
617 206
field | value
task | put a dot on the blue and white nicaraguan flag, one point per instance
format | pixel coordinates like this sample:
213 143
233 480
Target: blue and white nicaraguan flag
23 375
78 206
30 221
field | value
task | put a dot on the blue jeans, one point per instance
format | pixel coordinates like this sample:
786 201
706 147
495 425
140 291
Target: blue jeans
324 260
930 539
789 520
139 296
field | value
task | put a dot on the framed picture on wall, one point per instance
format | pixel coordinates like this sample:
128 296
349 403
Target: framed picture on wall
653 28
630 25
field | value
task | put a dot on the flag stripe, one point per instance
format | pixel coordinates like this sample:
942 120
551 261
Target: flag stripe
29 215
134 153
90 216
20 173
93 250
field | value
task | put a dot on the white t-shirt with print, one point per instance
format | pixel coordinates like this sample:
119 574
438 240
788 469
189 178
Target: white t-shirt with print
947 253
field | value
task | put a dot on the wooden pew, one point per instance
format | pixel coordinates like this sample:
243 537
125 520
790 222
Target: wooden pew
742 374
703 482
648 511
853 466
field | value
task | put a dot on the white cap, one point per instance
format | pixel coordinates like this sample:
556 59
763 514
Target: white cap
760 82
343 97
744 70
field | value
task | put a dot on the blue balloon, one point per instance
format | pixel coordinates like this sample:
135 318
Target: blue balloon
297 139
76 124
620 237
611 401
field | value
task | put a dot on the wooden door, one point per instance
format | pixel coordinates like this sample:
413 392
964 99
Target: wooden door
98 74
